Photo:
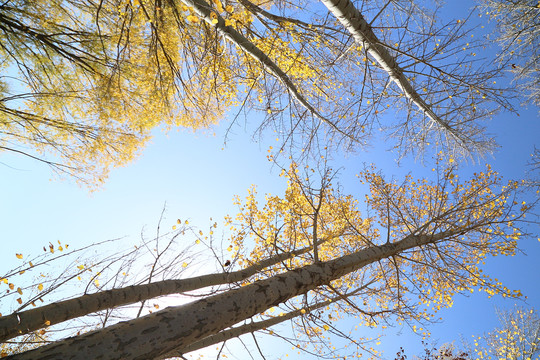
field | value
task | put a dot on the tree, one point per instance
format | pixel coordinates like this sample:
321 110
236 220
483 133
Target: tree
83 273
91 88
312 251
445 352
518 25
518 336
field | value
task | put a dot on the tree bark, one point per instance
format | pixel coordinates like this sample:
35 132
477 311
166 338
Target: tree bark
24 322
359 28
250 328
203 9
176 327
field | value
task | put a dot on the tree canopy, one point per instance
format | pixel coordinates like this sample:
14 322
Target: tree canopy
518 30
84 92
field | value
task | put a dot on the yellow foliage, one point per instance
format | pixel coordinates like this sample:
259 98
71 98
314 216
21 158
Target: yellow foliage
424 278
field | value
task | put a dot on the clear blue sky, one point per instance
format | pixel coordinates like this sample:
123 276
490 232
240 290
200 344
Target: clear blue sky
196 175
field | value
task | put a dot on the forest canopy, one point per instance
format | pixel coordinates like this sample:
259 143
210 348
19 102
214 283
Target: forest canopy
85 83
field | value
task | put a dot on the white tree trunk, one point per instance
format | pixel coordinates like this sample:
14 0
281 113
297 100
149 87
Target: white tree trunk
358 27
24 322
247 328
203 9
176 327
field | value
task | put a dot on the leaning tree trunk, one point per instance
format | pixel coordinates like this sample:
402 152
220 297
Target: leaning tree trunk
203 9
252 327
176 327
359 28
20 323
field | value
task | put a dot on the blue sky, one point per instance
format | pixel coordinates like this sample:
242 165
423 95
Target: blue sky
197 175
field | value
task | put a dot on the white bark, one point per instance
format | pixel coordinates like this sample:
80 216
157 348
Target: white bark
358 27
205 11
176 327
24 322
236 332
248 328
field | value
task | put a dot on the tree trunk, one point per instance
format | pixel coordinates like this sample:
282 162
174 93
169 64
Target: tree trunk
250 328
358 27
24 322
176 327
203 9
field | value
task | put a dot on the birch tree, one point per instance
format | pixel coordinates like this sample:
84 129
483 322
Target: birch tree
312 257
84 82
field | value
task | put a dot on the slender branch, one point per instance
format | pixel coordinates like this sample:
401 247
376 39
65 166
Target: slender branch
205 11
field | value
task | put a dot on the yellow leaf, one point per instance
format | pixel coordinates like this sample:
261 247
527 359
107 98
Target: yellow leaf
184 265
193 18
80 267
218 5
326 327
40 287
19 290
47 323
19 256
19 300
